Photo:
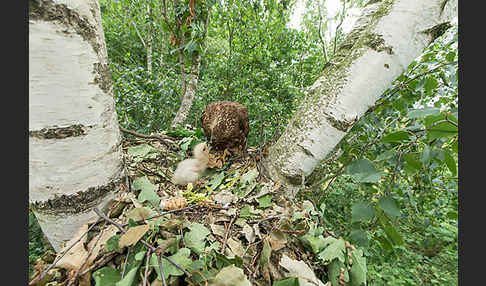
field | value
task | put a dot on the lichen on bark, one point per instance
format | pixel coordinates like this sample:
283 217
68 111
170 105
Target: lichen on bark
60 132
76 203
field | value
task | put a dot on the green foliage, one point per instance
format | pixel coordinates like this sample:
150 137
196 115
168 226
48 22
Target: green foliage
397 199
36 246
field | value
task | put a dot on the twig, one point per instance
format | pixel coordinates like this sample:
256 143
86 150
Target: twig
101 262
257 221
125 263
159 259
166 141
86 259
159 215
226 234
149 252
339 26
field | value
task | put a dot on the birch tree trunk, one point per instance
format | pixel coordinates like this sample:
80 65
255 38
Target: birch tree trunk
190 91
75 159
388 36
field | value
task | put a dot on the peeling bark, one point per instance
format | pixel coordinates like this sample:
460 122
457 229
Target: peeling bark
388 36
75 160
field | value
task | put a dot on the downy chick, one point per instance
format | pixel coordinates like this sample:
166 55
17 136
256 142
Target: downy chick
189 170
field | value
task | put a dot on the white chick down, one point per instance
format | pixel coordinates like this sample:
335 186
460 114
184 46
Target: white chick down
189 170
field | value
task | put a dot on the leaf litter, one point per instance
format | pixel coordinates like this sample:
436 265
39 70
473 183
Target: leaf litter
232 227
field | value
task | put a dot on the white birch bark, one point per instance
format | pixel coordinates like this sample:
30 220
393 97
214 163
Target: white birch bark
74 139
385 40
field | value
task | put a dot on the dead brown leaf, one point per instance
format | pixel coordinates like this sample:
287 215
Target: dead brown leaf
133 235
75 257
277 240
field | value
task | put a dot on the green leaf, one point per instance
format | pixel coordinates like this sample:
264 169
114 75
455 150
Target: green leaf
147 191
195 238
144 151
399 136
334 271
217 180
357 274
185 143
384 242
223 261
390 230
112 243
426 155
106 276
249 176
249 211
362 211
315 243
412 161
140 255
452 215
363 171
385 155
437 127
181 257
450 162
423 112
430 84
130 276
291 281
334 250
265 201
389 206
359 238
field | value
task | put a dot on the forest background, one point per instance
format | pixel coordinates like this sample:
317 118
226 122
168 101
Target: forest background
398 162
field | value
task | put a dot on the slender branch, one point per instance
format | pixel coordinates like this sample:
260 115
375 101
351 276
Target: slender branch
101 262
339 26
149 252
166 141
161 214
159 259
323 43
86 259
125 263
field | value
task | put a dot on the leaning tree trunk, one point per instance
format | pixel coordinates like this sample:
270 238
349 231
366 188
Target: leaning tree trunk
190 91
386 39
75 160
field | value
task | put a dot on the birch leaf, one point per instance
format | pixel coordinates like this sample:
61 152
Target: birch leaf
147 191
